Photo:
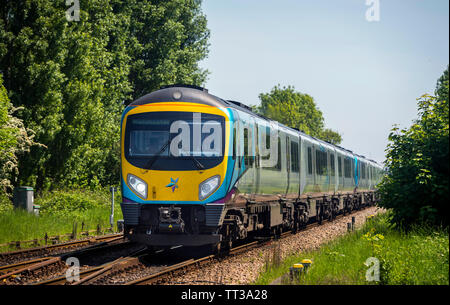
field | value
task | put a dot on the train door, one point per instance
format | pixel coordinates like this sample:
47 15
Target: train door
333 171
294 175
237 157
257 159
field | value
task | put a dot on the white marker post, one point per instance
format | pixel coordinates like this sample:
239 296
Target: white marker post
111 217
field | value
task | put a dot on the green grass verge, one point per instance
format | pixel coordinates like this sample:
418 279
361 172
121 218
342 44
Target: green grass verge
59 211
418 257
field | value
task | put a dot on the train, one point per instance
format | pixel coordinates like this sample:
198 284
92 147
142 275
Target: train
198 170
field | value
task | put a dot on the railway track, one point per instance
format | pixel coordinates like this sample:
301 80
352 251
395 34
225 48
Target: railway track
25 271
8 258
188 265
180 268
133 268
91 274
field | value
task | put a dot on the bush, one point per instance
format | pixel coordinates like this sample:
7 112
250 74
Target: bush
60 210
416 183
74 203
5 203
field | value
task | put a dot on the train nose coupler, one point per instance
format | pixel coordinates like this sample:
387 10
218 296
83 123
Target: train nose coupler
170 220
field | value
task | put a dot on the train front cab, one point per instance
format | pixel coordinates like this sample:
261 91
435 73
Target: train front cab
174 195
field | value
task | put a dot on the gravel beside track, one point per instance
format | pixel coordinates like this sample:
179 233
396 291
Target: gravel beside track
245 268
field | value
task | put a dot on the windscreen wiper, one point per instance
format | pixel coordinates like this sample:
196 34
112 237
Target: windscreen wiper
155 157
197 163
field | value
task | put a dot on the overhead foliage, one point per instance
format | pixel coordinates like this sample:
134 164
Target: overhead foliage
72 77
417 180
296 110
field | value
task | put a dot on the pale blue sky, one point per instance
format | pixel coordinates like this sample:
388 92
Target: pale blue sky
364 76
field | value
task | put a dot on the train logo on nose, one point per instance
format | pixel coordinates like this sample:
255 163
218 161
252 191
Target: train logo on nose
173 184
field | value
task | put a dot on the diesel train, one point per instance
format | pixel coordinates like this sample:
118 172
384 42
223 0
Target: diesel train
199 170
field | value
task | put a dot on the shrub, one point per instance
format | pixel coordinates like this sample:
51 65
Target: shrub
416 183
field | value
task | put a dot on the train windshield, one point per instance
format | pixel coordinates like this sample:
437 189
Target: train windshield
175 140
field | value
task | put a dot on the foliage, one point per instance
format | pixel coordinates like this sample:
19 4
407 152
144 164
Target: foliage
416 183
60 209
417 257
74 203
331 136
296 110
15 140
71 78
5 203
166 41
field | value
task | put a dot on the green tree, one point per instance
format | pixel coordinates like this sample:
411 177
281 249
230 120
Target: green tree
166 41
71 78
330 136
296 110
416 184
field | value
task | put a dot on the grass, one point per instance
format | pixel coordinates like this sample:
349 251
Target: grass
418 257
59 211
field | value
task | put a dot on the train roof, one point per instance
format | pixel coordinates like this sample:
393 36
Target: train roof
200 95
181 93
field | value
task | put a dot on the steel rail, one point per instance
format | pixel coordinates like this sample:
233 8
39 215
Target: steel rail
14 269
97 239
93 273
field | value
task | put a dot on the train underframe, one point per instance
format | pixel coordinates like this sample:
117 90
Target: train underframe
220 226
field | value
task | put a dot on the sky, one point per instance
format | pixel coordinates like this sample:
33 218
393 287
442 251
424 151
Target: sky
364 76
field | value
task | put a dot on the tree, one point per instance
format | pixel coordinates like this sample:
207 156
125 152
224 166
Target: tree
416 184
167 39
296 110
330 136
71 78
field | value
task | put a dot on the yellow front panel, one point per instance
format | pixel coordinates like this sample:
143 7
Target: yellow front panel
188 181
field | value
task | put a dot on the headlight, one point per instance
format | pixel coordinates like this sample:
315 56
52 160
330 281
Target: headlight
137 185
208 186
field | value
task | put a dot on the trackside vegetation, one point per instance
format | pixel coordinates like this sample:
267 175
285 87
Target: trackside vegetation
60 211
419 256
416 183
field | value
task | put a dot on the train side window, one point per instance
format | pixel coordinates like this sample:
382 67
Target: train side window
321 162
278 166
332 165
246 146
354 170
363 170
294 157
309 161
340 166
247 158
347 168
